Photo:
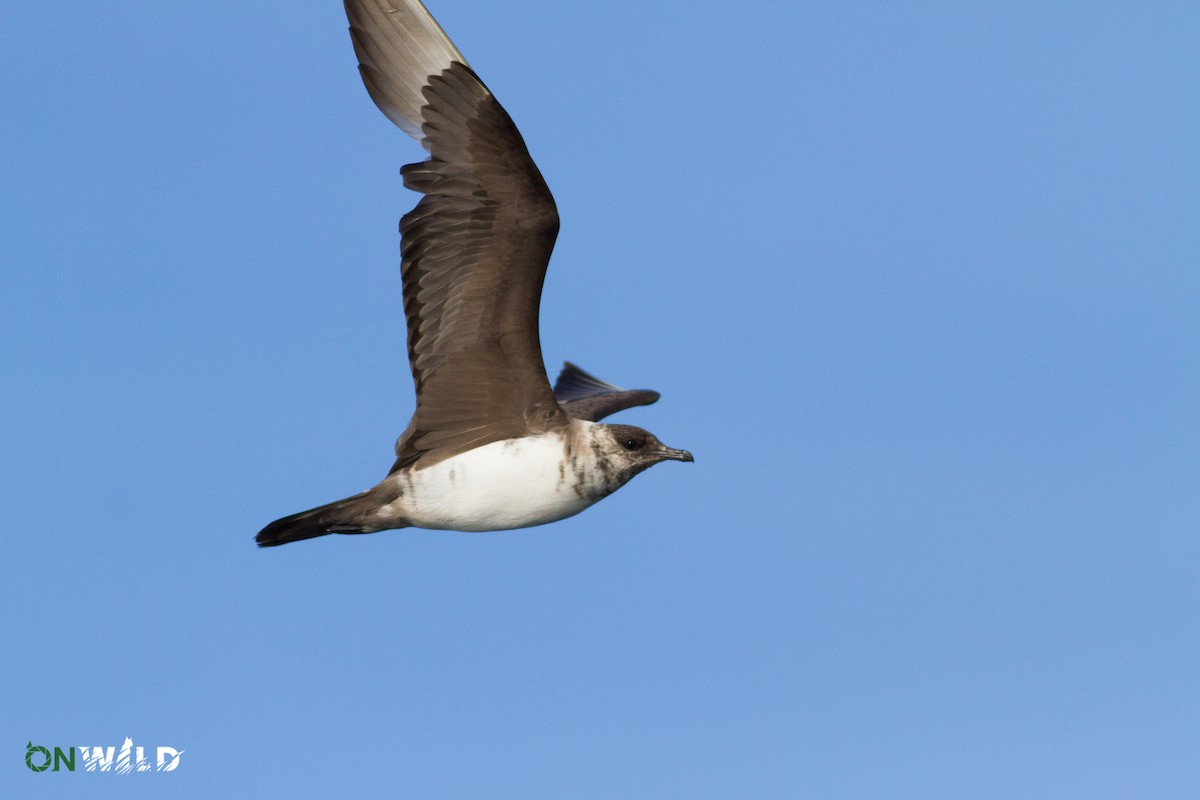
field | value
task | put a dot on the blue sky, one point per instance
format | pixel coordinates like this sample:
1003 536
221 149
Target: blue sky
919 284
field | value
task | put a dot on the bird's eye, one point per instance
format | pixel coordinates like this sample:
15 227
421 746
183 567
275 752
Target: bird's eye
631 444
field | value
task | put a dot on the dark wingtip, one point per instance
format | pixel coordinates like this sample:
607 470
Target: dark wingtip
584 396
573 382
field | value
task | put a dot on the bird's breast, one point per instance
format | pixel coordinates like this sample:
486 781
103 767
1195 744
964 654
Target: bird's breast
514 483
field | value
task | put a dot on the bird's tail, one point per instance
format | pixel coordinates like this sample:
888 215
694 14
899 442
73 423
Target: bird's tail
357 514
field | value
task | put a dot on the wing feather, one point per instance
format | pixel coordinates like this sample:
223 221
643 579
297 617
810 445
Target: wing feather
474 250
584 396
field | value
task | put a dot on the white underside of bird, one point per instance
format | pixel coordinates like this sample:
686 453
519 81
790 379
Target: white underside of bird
515 483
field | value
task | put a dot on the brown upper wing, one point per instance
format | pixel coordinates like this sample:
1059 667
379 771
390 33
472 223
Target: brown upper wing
474 250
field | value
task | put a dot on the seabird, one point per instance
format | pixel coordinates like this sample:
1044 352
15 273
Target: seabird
491 446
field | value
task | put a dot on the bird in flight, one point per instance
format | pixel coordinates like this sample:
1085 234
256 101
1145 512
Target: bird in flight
490 446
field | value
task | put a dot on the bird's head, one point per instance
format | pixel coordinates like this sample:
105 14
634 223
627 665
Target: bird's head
631 449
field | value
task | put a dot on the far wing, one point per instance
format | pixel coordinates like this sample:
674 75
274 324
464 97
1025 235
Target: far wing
584 396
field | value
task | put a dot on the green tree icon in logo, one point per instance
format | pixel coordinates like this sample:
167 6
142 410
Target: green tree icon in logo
30 749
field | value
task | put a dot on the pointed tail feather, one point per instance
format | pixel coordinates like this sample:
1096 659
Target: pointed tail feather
351 515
